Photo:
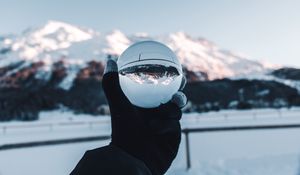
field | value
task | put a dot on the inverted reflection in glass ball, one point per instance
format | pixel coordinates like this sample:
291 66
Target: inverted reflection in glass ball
149 78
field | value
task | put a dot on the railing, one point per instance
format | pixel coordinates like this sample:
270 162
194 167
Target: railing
255 114
185 131
51 125
90 124
52 142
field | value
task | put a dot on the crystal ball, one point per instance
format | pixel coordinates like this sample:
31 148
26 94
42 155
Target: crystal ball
149 73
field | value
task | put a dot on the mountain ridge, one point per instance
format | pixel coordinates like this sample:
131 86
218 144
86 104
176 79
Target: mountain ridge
57 40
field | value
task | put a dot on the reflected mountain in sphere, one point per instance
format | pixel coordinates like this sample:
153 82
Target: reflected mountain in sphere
150 74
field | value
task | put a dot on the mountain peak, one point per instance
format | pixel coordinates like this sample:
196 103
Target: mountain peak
56 24
180 34
116 42
52 36
62 30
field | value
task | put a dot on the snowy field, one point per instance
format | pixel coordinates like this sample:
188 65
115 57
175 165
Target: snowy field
255 152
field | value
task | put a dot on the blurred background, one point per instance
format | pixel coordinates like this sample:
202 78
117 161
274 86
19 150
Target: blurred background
241 60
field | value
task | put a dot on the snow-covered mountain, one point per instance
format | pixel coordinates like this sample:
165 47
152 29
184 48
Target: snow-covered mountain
77 46
60 65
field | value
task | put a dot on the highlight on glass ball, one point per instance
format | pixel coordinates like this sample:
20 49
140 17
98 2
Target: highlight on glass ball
149 73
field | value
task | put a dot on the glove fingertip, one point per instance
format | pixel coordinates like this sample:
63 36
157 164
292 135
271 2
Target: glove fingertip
111 66
179 99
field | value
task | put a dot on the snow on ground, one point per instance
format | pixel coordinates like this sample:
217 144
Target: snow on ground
52 126
255 152
44 160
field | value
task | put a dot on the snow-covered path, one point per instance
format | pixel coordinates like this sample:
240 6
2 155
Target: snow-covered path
255 152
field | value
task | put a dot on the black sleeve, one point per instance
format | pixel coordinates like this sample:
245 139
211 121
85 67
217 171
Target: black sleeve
81 167
109 160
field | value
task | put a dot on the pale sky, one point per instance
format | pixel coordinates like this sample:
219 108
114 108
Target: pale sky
262 29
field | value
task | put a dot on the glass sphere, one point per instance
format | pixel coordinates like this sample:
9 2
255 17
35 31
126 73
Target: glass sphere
149 73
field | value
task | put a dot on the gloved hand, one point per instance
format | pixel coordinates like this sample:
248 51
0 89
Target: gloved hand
150 135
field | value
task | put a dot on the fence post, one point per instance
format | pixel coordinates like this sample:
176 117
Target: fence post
187 148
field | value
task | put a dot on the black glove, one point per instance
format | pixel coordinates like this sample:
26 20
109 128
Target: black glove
150 135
